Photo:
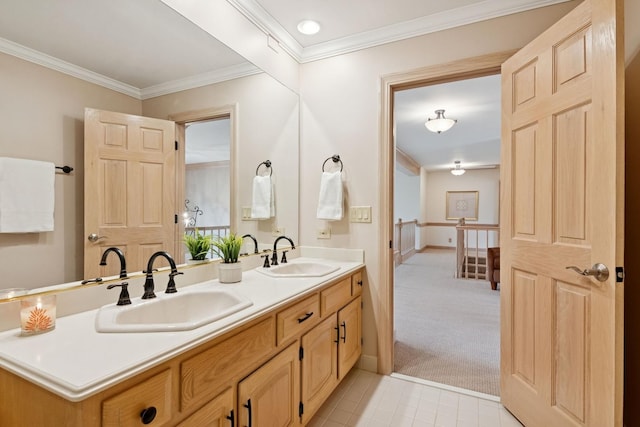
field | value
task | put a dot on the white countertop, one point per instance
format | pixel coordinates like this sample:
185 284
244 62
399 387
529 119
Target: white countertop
74 361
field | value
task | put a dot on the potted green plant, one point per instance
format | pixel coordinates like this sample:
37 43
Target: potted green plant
228 249
198 245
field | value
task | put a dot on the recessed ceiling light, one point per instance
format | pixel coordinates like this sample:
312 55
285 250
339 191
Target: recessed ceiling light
308 27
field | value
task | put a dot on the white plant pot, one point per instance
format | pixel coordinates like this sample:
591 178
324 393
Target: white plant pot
197 261
229 273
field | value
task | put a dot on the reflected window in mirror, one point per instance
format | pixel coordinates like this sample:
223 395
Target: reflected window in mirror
207 183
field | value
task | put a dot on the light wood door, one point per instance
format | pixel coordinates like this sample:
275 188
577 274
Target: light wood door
319 365
130 189
350 336
270 396
562 202
218 412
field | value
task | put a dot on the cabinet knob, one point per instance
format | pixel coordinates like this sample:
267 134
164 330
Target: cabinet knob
148 415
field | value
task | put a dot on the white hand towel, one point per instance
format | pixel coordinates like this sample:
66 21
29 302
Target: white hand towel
262 197
26 195
330 201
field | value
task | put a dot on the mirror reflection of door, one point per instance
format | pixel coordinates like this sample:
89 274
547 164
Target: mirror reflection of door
207 184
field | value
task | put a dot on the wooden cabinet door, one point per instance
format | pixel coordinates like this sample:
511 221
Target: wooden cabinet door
350 336
319 365
217 413
271 395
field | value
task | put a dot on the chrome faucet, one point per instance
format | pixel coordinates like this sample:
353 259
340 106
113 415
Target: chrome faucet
123 262
274 257
255 242
149 285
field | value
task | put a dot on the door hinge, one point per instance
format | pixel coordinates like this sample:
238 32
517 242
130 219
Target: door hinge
175 219
390 244
619 274
176 145
301 353
300 409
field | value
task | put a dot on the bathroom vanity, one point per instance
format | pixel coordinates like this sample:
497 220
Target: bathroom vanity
273 363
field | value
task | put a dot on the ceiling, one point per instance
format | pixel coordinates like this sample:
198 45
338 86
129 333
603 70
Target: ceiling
145 49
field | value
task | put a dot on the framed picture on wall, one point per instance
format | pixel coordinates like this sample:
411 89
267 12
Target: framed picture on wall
462 204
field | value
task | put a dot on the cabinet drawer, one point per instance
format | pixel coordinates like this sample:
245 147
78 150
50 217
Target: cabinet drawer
125 409
210 372
356 284
334 298
297 318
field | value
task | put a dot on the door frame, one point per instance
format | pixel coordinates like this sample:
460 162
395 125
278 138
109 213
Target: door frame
463 69
181 119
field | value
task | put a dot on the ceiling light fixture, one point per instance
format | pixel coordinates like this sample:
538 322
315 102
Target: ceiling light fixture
308 27
458 170
440 123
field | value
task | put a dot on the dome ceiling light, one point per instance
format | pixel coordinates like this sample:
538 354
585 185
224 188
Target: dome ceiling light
308 27
457 170
440 123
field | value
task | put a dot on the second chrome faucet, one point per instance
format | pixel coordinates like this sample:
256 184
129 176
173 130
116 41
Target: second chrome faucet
149 285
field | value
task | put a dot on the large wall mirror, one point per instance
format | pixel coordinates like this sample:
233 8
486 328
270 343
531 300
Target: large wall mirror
45 121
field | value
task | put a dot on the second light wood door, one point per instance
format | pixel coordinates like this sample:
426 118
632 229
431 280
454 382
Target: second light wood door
130 189
562 205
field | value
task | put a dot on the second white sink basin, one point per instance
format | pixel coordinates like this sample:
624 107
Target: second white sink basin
182 311
299 269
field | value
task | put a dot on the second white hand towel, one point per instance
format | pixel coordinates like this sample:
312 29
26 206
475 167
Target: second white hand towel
26 195
330 200
261 203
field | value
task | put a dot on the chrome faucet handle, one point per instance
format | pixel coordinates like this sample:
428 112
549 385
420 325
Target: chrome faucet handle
123 299
266 261
284 257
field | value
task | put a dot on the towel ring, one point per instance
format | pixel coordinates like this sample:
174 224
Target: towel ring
336 159
267 164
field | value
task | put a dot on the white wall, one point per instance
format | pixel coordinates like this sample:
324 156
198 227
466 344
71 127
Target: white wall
340 108
407 196
485 181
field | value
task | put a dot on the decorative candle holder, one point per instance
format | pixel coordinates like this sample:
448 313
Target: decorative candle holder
38 314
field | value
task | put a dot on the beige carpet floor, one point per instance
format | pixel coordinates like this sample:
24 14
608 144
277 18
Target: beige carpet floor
446 330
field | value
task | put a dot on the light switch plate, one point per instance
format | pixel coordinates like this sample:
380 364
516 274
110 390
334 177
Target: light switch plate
360 214
246 213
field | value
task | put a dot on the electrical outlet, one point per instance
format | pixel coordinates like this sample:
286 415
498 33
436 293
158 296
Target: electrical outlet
449 239
324 233
277 232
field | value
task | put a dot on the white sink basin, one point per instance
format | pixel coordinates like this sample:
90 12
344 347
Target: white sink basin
182 311
299 269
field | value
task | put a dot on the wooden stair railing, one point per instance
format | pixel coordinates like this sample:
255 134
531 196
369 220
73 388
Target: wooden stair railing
472 241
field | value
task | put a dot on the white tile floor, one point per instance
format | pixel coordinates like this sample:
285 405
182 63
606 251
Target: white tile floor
370 400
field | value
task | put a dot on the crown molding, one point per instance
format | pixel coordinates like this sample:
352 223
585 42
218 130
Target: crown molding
31 55
36 57
465 15
217 76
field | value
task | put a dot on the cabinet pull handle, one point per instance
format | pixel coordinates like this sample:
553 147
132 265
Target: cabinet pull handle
248 406
231 418
148 415
344 334
360 282
337 335
305 317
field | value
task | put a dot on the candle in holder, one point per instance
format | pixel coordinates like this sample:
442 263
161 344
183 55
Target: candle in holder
38 314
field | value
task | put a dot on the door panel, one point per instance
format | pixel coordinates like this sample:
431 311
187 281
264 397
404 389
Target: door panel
130 189
561 348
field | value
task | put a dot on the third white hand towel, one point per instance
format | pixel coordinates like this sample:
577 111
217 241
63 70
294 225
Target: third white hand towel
26 195
261 203
330 201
